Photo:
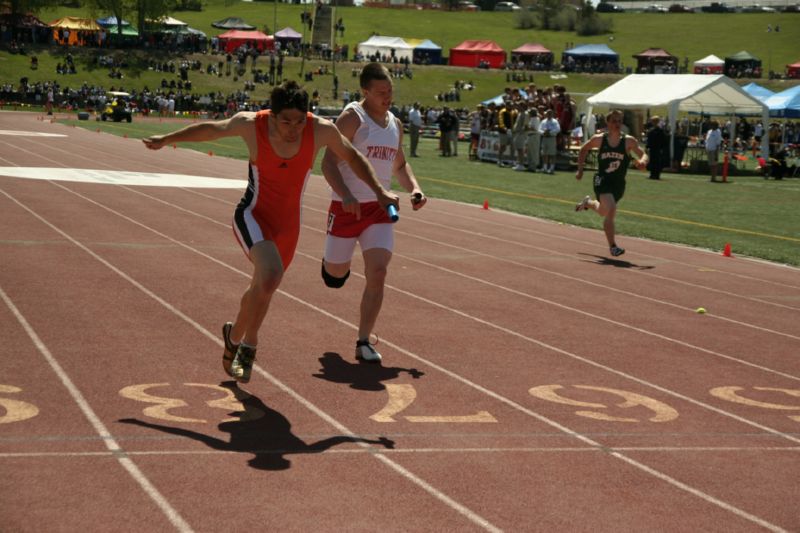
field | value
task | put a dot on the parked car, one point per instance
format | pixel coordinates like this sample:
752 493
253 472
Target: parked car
506 6
717 7
757 8
466 5
608 7
680 8
655 8
791 9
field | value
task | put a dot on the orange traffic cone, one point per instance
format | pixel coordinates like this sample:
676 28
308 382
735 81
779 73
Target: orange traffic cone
727 250
486 205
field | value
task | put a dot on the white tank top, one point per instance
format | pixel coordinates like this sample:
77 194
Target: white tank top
379 145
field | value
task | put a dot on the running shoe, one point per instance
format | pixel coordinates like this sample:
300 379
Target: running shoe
616 251
367 352
583 204
230 349
242 364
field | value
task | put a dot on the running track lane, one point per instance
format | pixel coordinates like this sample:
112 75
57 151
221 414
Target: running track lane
466 340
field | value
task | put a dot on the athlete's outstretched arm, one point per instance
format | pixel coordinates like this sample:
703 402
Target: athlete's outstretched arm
405 175
202 131
594 142
632 145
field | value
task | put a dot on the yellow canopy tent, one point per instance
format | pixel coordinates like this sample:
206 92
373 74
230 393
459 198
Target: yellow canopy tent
74 25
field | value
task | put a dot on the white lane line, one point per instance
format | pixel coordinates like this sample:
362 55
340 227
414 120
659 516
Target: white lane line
169 511
584 281
602 318
578 280
18 133
460 215
550 251
518 293
638 272
121 177
420 451
430 489
536 232
479 320
641 466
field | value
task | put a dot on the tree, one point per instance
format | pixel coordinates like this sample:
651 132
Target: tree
143 9
151 10
548 11
22 7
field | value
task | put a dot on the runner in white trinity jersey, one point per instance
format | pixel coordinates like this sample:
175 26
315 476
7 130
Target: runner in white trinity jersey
378 134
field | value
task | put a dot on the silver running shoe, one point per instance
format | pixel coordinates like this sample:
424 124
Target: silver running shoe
367 352
583 205
242 364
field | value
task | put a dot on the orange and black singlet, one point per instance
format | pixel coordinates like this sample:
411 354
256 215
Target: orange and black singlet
270 207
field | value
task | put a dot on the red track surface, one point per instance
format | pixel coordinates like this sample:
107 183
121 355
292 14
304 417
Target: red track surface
588 394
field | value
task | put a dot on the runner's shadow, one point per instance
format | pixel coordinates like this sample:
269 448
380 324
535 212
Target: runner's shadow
619 263
259 430
360 375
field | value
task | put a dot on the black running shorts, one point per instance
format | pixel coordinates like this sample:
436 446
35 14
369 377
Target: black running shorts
604 185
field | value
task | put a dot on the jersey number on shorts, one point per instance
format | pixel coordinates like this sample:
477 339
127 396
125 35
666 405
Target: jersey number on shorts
331 218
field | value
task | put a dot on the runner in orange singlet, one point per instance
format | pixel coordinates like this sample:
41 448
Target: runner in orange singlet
283 144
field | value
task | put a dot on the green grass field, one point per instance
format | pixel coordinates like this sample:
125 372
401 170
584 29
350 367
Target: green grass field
758 218
685 35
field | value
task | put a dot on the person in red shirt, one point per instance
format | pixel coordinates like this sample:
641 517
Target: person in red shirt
283 142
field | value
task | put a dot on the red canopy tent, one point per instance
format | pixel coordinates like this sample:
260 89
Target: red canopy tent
233 39
793 70
534 53
472 53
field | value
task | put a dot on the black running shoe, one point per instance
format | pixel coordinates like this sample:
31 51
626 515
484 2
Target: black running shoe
616 251
229 352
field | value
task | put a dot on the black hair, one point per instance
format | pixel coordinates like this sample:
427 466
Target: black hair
373 71
288 95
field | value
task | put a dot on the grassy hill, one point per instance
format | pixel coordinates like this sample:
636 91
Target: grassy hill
685 35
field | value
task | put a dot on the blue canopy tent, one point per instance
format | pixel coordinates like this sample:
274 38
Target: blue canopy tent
590 58
118 33
112 21
498 100
426 52
785 104
754 89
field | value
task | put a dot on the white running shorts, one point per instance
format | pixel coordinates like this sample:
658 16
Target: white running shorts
340 250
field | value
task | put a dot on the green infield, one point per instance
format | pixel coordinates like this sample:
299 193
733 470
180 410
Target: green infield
757 217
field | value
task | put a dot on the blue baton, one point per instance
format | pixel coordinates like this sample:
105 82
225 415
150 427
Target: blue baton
392 210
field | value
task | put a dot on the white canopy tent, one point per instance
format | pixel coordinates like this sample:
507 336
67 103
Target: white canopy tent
382 45
698 93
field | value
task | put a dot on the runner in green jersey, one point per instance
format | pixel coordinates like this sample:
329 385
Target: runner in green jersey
613 159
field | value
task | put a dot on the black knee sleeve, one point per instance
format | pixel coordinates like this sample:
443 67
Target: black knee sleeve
331 281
